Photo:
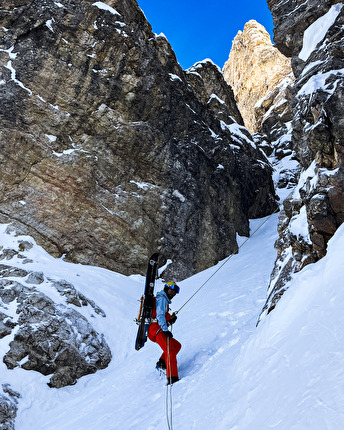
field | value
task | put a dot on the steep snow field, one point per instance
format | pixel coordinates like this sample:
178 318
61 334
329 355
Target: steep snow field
286 374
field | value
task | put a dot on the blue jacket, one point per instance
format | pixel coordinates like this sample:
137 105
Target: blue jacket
162 302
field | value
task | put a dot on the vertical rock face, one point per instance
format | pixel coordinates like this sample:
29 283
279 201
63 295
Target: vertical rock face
312 33
207 81
107 153
291 18
254 68
210 87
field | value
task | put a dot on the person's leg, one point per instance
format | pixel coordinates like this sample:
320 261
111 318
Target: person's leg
153 329
170 347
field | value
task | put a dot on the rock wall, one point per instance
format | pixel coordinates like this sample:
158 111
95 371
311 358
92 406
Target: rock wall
313 34
215 92
254 69
291 18
210 87
107 153
48 337
8 407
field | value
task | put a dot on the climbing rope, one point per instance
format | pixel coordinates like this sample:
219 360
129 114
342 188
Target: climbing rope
225 262
169 406
169 397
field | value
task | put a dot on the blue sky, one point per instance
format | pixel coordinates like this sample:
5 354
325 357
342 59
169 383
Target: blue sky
199 29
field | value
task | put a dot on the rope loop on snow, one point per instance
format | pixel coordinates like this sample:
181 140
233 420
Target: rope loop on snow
225 261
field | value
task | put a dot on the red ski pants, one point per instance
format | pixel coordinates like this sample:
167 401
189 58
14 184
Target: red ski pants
170 347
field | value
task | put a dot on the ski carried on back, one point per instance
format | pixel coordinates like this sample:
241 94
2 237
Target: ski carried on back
147 303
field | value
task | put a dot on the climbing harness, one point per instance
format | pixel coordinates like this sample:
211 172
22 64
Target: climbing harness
225 261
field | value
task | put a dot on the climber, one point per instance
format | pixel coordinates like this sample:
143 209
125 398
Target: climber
159 332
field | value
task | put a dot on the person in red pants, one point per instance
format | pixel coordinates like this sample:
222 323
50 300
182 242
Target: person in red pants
159 332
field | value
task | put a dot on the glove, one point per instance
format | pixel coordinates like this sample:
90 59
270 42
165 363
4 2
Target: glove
173 319
168 334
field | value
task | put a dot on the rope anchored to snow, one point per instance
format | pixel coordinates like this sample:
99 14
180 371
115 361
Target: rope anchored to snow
169 398
225 262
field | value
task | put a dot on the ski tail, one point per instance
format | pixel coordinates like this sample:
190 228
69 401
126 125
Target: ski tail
138 319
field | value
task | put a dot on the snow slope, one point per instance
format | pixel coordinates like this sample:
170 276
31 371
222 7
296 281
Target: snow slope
286 374
290 374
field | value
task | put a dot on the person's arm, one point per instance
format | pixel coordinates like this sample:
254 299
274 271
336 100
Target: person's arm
161 305
172 319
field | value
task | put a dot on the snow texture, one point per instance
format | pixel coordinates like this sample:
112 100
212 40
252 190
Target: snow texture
286 374
316 32
174 77
103 6
299 225
318 81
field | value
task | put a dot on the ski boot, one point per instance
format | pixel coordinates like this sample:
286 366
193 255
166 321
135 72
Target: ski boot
161 364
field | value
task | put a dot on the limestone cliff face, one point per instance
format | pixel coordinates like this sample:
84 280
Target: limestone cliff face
312 33
107 152
291 18
210 87
254 68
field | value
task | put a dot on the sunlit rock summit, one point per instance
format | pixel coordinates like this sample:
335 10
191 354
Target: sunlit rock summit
254 69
